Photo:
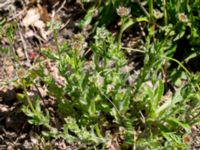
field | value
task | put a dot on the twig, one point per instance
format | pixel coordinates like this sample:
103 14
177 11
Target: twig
142 7
17 15
24 44
6 3
40 95
64 25
132 49
61 7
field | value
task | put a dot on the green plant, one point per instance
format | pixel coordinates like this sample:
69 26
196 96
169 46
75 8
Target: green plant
7 35
91 92
94 91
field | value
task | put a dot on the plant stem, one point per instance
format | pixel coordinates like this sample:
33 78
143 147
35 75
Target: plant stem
151 9
28 98
165 12
142 7
56 41
184 68
151 18
120 33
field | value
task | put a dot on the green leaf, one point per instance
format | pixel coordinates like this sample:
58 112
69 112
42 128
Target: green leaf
88 18
158 94
127 24
174 140
169 104
141 19
115 114
92 108
124 105
175 122
20 97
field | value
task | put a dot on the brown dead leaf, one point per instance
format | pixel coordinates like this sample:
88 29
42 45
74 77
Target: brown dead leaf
31 17
4 108
36 17
20 53
44 16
